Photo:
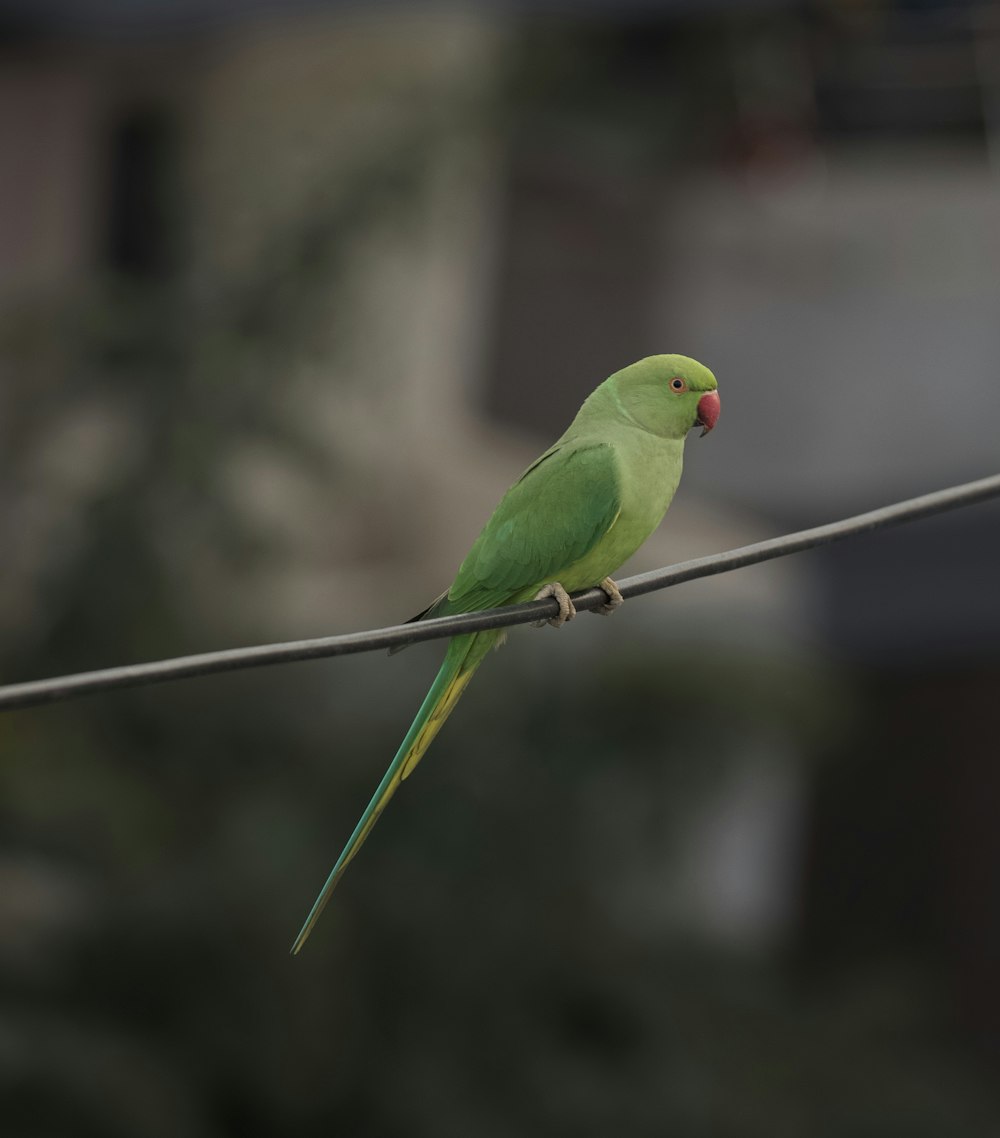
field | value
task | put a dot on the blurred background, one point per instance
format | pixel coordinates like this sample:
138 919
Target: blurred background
289 294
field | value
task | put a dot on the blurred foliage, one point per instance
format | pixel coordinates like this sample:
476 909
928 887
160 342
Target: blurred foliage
635 93
477 973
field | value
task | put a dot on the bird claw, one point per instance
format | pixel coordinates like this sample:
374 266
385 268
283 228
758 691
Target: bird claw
567 610
615 599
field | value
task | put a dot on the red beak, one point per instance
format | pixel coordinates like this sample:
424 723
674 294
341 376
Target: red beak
709 407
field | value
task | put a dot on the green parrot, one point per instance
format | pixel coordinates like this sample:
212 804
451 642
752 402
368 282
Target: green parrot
570 520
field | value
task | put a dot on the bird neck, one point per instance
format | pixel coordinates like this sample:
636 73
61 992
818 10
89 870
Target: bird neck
607 405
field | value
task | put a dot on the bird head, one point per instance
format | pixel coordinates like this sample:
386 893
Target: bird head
667 395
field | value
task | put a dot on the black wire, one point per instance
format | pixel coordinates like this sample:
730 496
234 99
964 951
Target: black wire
132 675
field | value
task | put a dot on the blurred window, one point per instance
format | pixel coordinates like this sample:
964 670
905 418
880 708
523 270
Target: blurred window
139 230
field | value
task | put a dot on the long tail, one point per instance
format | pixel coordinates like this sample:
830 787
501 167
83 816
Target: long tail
465 654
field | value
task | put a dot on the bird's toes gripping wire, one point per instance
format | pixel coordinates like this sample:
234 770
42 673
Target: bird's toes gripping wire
567 610
615 599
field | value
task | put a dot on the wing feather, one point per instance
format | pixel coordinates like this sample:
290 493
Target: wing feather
548 520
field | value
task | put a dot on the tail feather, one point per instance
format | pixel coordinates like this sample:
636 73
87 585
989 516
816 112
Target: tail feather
465 653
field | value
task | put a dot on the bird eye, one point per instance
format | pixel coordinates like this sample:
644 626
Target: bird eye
677 384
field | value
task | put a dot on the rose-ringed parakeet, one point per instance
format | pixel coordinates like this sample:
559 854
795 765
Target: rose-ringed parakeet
570 520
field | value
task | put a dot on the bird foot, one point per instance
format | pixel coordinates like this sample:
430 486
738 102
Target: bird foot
615 599
567 610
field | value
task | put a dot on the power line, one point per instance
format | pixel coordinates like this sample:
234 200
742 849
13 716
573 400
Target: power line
207 663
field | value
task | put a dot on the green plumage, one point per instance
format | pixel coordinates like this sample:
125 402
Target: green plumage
579 511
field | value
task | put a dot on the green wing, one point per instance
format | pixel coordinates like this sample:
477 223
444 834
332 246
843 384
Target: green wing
548 520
